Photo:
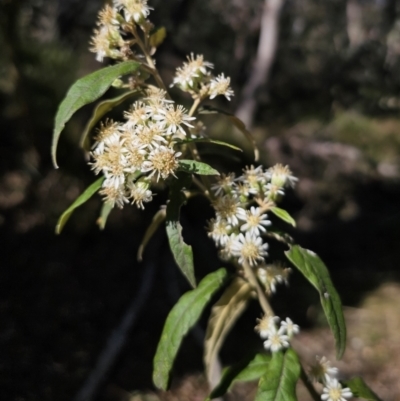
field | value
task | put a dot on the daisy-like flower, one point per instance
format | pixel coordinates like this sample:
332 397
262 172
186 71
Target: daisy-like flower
191 73
266 324
277 340
138 10
322 371
271 275
114 195
249 249
106 130
281 176
149 136
139 192
172 118
290 328
224 183
134 157
219 231
162 161
228 208
333 391
138 114
155 98
255 221
220 86
108 16
253 178
105 42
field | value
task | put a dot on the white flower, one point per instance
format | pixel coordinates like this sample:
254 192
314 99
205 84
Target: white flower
138 114
253 178
277 340
289 327
228 208
249 249
139 192
255 222
266 324
281 176
333 391
114 195
322 371
220 86
223 184
162 161
136 9
172 119
219 231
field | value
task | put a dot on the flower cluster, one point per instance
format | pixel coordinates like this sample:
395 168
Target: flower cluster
323 372
195 77
276 338
110 39
238 226
141 146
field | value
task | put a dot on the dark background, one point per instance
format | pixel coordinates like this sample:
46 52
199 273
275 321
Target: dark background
329 109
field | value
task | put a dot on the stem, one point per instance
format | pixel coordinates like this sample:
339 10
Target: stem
309 386
266 307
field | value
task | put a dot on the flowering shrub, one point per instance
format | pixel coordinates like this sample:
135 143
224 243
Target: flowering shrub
156 143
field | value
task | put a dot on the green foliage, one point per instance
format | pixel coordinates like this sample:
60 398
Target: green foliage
208 140
247 370
182 252
104 213
283 215
195 167
88 193
315 271
182 317
279 381
360 390
84 91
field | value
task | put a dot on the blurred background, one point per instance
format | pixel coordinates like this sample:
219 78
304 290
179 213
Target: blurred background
318 82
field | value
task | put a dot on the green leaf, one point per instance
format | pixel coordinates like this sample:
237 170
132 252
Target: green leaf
157 37
88 193
247 370
279 381
101 109
360 389
237 122
195 167
182 252
84 91
158 218
180 320
223 316
105 211
315 271
208 140
283 215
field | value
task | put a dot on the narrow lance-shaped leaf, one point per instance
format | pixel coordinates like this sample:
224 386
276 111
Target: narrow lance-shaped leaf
315 271
279 381
88 193
208 140
182 252
157 37
195 167
105 212
158 218
180 320
100 110
84 91
223 316
244 371
283 215
239 124
360 389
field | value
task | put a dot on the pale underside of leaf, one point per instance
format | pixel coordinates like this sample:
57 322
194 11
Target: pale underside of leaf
315 271
104 213
223 316
84 91
279 381
180 320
